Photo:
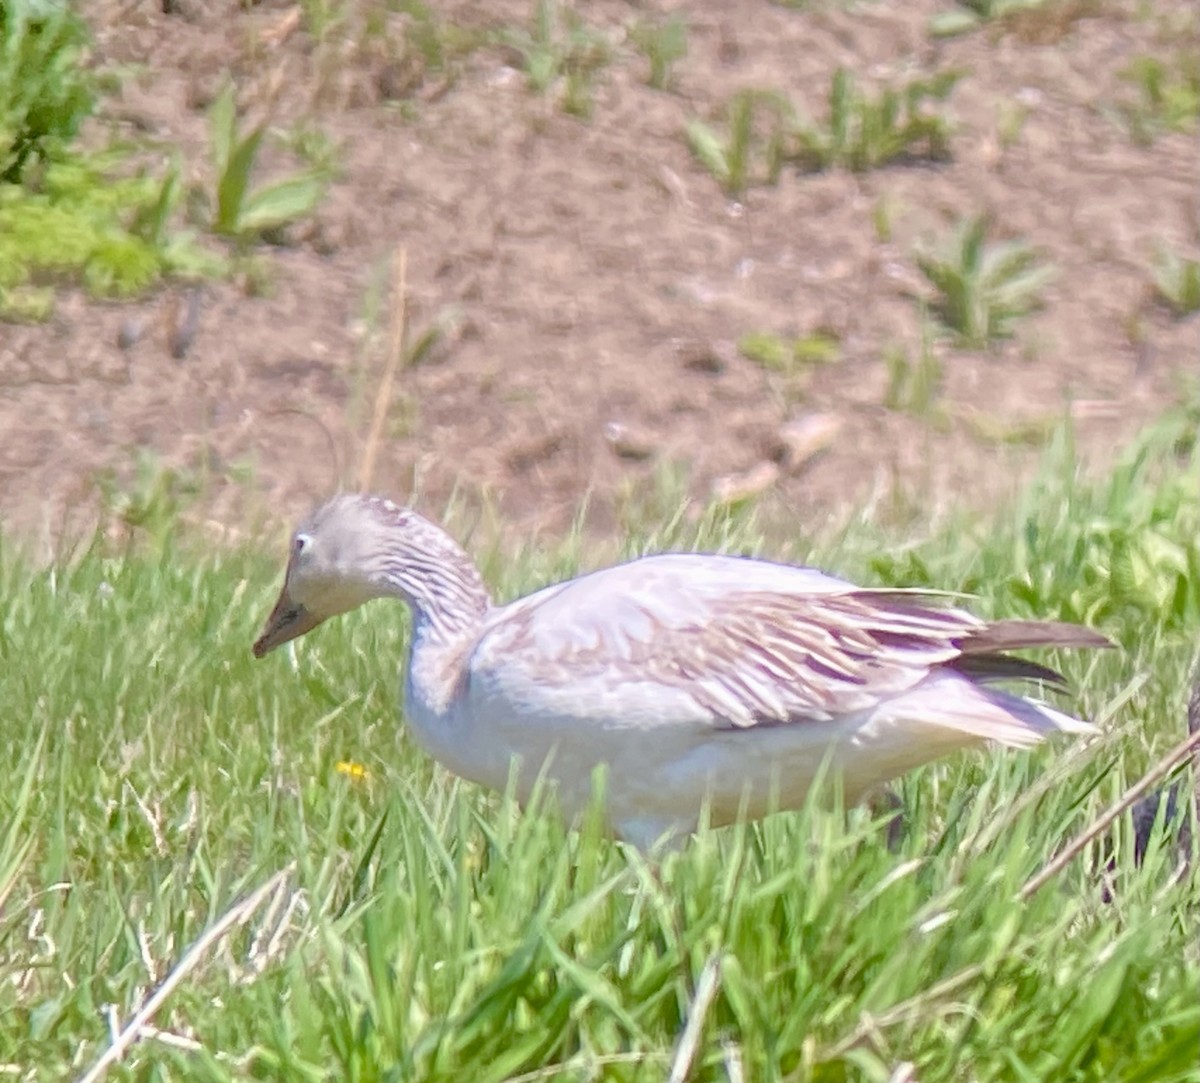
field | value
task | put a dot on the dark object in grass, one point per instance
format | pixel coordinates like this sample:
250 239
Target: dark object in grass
1145 815
1178 803
184 324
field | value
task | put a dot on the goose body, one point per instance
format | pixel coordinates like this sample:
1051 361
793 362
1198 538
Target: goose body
695 679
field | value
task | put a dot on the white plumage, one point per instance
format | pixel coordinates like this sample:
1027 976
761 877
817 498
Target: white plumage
693 677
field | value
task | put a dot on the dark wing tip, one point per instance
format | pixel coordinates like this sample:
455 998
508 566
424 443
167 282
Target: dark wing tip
986 668
1011 635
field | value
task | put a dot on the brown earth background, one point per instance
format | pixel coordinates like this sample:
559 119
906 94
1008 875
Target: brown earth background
592 281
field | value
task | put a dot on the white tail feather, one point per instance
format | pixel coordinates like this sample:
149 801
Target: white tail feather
954 703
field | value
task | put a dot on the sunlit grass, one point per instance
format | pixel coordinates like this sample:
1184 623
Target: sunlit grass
426 930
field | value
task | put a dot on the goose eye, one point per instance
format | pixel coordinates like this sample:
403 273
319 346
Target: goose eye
301 543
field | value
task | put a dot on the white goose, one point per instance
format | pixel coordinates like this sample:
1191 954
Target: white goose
693 677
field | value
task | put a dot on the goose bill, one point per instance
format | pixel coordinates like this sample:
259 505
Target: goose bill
288 620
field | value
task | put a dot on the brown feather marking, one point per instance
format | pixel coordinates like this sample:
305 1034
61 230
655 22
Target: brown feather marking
767 659
1011 635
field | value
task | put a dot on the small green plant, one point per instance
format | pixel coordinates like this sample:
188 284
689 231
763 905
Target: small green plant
1186 414
88 223
913 385
26 304
972 14
385 51
754 148
1167 96
982 287
789 355
1032 21
322 17
45 90
315 148
764 133
243 213
1177 282
577 97
560 48
67 216
866 132
149 496
1010 123
433 45
792 361
662 43
887 209
1036 430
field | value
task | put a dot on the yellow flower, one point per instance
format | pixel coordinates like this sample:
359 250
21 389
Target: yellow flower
352 770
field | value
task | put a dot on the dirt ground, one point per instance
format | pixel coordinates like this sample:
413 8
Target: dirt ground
594 280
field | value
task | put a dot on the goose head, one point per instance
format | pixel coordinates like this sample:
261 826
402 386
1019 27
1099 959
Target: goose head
333 566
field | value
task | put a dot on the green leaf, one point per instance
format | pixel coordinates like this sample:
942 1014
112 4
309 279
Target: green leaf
17 840
707 147
840 95
766 349
280 203
152 219
222 126
948 24
818 348
1173 1059
233 183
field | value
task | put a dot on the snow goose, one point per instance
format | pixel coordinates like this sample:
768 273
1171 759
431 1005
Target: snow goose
693 677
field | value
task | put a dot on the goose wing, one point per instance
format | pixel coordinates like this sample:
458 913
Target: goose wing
742 643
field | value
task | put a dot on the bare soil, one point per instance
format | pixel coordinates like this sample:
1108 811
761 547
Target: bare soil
595 280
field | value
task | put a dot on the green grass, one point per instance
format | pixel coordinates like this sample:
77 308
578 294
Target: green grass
754 145
662 42
559 48
914 383
1177 282
763 131
427 931
864 132
1165 95
982 287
